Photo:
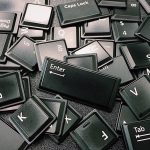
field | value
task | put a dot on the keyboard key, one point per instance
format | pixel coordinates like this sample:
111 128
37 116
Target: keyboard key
146 5
58 107
10 139
57 73
136 95
113 3
23 52
137 55
94 133
32 33
88 61
143 30
54 49
7 21
18 5
125 116
70 34
136 135
4 45
78 11
131 13
32 119
97 29
32 17
11 90
72 118
124 31
119 69
107 45
95 47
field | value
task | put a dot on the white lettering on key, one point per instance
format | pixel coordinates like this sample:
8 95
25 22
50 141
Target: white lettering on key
148 71
1 96
148 56
140 129
61 33
105 136
134 92
21 117
26 43
121 23
60 48
67 119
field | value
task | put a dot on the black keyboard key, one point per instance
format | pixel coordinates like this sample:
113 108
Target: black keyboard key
58 107
143 30
113 3
94 133
119 69
23 52
11 90
10 139
53 49
70 34
146 5
5 41
78 11
124 31
97 29
136 135
107 45
88 61
57 73
136 95
137 55
32 17
32 33
131 13
32 119
125 116
7 21
18 5
95 47
72 118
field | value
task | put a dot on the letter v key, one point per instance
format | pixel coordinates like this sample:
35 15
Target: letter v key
134 92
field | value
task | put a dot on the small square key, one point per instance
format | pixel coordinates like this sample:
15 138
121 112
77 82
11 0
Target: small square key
137 55
125 116
10 139
72 118
136 95
113 3
11 90
70 34
143 30
23 52
18 5
95 47
131 13
97 29
146 5
137 135
109 46
5 40
32 119
88 61
94 133
124 31
54 49
80 84
7 21
78 11
58 107
32 17
35 34
118 68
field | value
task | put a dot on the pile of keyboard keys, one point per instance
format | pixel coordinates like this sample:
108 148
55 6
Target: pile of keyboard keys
97 54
